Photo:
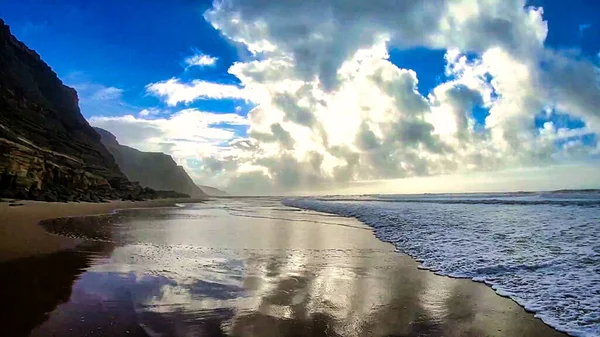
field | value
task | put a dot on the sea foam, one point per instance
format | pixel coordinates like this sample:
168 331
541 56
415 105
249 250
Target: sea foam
543 251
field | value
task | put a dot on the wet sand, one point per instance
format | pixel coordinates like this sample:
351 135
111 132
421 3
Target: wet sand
20 235
242 268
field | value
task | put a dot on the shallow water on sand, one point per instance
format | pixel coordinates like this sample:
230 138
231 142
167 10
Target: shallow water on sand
541 249
242 267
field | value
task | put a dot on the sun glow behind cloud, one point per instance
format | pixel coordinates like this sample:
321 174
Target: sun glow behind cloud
331 111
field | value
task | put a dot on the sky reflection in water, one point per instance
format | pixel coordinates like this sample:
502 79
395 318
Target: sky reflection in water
252 268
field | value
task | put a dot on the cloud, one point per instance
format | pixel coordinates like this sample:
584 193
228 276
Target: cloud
584 26
29 28
174 92
96 98
186 133
320 36
337 111
149 112
331 111
90 91
200 59
106 93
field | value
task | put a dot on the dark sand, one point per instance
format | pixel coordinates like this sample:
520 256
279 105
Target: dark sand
232 267
20 235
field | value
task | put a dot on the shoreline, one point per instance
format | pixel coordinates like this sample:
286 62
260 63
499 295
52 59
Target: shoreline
526 282
21 236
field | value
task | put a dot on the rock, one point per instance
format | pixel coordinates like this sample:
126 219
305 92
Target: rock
21 194
213 192
45 142
155 170
51 197
35 194
44 139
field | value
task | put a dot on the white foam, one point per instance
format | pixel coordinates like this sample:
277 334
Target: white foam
545 256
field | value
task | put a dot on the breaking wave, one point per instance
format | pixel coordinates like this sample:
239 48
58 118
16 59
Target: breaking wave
541 250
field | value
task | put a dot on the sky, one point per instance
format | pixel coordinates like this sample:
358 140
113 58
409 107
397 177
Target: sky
338 96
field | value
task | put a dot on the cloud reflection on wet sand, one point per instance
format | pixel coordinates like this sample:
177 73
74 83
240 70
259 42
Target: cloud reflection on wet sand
210 270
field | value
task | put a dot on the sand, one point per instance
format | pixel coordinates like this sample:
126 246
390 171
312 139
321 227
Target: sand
302 274
20 235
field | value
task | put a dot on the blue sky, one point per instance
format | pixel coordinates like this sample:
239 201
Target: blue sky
122 44
128 44
111 51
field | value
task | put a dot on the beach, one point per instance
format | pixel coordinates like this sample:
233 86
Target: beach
20 235
228 267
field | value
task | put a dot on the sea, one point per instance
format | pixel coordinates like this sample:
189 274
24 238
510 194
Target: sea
540 249
360 265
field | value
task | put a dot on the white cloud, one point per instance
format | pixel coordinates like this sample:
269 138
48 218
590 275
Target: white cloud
332 111
149 112
90 91
191 133
174 92
107 93
95 98
200 59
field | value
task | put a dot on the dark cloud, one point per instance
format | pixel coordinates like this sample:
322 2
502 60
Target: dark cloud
278 134
292 110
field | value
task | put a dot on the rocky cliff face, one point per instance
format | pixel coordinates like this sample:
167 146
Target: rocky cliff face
213 192
48 151
151 169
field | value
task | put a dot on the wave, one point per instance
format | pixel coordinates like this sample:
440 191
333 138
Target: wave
546 258
483 201
570 198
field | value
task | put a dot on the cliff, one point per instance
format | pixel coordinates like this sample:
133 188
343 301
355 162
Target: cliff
151 169
48 151
213 192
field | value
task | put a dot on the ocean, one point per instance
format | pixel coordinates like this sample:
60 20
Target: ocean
540 249
309 267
